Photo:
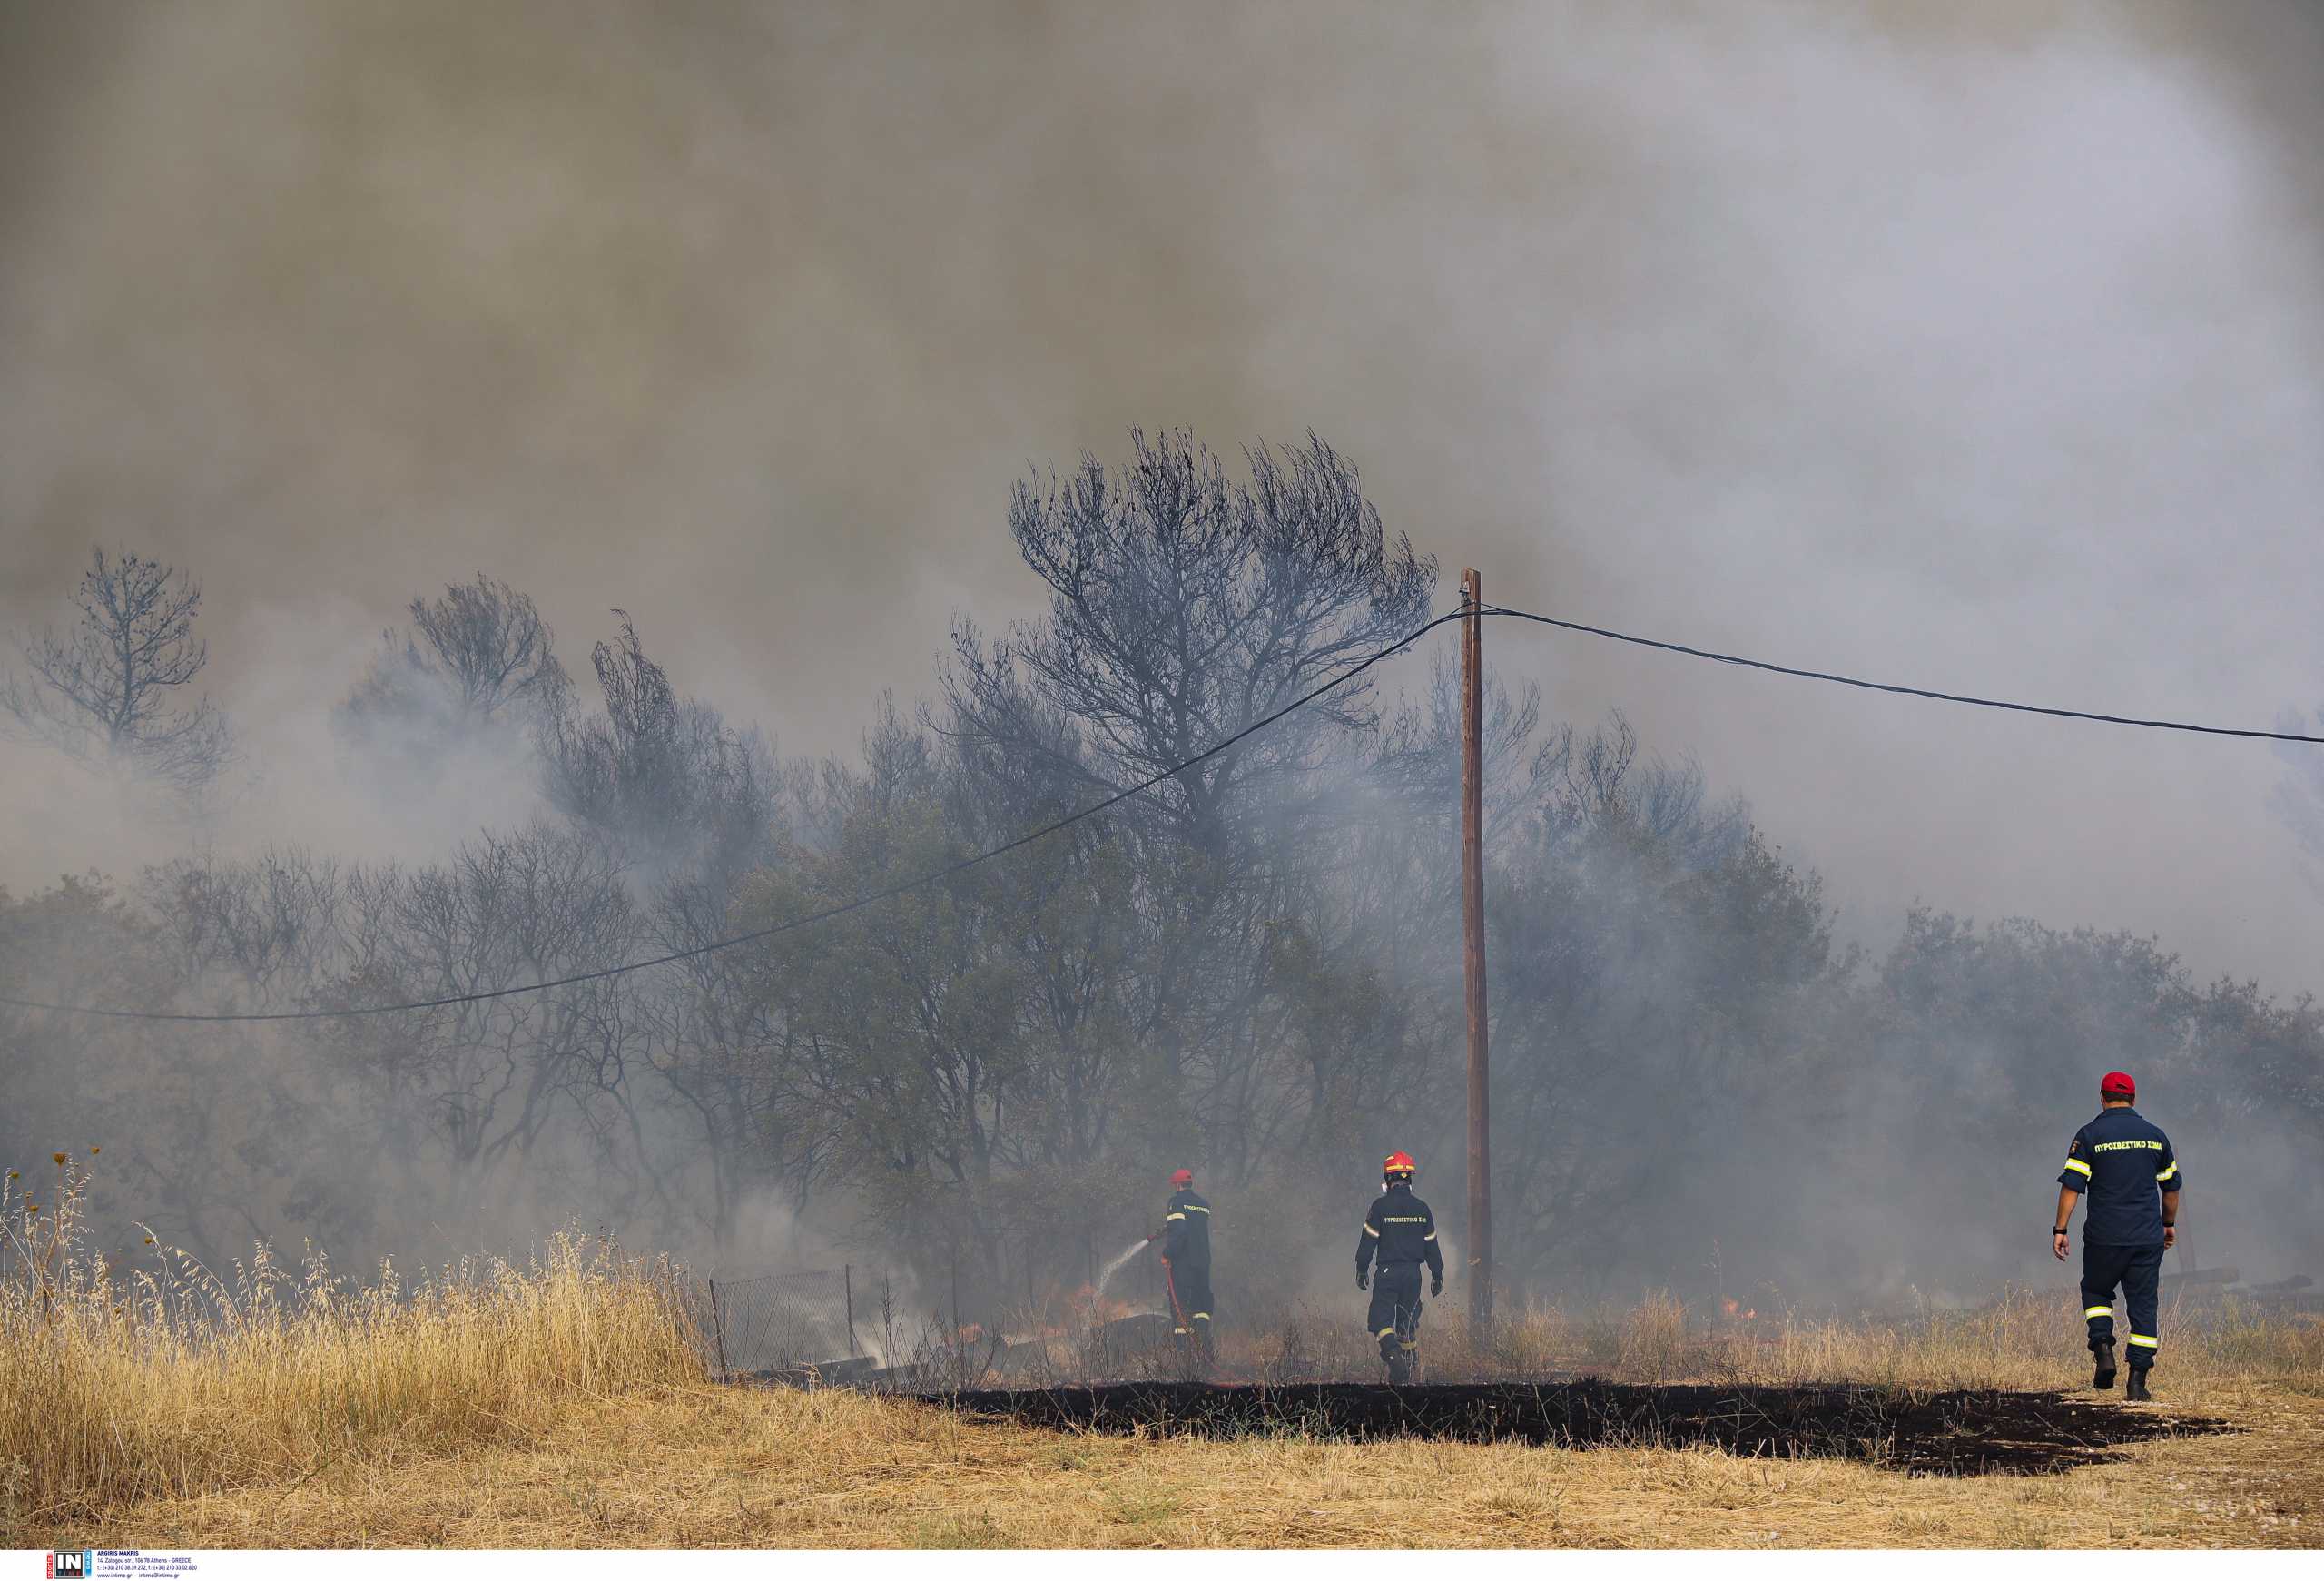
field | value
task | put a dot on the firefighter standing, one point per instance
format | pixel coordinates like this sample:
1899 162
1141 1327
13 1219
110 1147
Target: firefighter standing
2125 1167
1402 1231
1186 1264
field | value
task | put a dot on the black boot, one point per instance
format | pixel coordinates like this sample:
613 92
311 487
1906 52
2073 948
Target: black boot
1391 1357
1400 1368
2102 1353
2137 1389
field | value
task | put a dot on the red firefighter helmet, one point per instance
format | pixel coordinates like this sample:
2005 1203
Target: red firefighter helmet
1400 1163
1182 1179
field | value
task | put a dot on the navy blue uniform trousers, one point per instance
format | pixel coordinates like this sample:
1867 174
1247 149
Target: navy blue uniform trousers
2139 1270
1394 1316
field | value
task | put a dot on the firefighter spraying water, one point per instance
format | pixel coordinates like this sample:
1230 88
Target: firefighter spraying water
1186 1267
1402 1232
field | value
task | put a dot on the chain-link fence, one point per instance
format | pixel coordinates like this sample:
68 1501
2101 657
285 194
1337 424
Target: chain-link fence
857 1327
781 1323
837 1325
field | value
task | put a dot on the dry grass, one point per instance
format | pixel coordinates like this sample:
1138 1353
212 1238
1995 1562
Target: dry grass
713 1468
170 1381
560 1404
2027 1339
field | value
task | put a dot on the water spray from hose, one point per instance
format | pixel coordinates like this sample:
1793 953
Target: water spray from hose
1115 1266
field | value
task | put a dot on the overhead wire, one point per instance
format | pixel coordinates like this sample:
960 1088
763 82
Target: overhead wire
934 875
1899 690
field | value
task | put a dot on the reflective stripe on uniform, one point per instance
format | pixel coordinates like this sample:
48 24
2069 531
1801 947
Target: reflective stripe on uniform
1172 1217
1199 1317
1383 1333
1196 1207
2149 1340
2166 1175
1374 1233
2098 1311
2078 1166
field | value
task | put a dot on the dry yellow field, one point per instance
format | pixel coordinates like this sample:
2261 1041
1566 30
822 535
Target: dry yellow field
559 1403
706 1466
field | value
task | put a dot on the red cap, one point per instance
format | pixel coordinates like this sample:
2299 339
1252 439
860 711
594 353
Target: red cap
1182 1177
2115 1084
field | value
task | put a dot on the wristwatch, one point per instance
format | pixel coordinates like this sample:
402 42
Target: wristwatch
2062 1229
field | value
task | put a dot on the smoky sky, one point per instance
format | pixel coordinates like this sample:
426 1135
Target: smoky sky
1972 346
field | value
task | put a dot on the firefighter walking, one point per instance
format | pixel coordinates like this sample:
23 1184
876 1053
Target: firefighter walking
1186 1266
2124 1165
1401 1232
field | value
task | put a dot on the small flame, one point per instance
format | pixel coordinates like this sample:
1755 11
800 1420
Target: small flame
1093 1308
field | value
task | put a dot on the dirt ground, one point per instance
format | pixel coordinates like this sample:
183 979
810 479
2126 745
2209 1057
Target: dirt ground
725 1468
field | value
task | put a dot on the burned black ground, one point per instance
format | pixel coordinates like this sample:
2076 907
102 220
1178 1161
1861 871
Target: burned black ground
1953 1433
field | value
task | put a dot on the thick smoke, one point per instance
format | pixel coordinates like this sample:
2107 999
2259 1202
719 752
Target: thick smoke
1975 342
1967 345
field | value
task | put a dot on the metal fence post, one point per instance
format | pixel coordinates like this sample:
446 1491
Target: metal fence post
718 1331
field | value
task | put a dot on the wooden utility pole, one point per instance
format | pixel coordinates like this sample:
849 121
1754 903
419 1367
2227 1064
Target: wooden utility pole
1473 931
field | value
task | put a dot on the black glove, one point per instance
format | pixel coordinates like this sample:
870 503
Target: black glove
1437 1284
1363 1279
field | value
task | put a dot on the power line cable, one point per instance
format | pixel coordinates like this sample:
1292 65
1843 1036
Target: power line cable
938 875
1781 669
858 903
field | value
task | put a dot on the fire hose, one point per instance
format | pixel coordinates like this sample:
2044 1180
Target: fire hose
1178 1322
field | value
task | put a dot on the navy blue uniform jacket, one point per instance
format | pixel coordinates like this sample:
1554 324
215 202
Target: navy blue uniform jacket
1399 1229
1185 1232
2122 1163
